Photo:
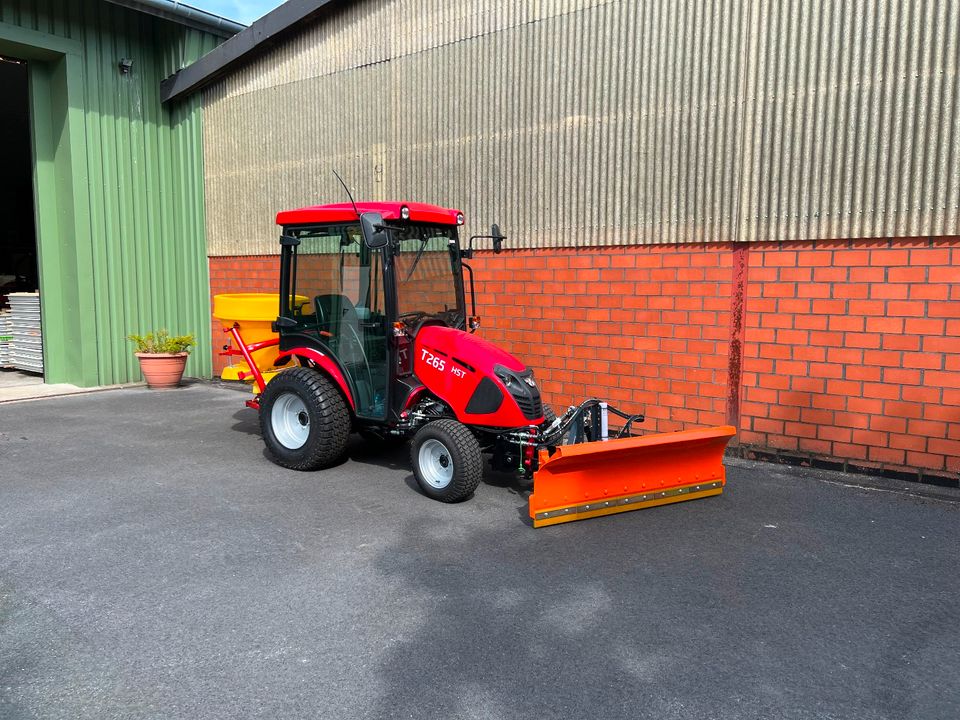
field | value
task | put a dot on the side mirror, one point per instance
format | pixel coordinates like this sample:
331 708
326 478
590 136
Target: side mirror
498 238
374 234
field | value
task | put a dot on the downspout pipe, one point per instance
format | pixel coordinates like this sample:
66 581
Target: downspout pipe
185 15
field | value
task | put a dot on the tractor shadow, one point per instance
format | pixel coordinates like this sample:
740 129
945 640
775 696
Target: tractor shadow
247 422
396 456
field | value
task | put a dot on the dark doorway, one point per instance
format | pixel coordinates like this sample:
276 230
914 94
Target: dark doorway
18 242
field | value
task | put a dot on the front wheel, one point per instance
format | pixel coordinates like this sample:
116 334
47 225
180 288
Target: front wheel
446 460
304 420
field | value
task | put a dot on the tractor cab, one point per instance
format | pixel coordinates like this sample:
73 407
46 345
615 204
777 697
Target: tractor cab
359 295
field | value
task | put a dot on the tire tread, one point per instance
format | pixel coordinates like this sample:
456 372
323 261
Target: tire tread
328 446
468 472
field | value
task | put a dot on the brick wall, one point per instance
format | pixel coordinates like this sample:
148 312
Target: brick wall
853 351
646 328
846 351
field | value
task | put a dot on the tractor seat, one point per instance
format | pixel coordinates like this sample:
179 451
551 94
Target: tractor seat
337 315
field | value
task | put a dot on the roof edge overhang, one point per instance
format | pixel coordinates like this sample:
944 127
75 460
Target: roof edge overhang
243 46
183 14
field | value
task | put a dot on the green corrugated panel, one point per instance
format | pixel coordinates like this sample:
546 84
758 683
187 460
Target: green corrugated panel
128 254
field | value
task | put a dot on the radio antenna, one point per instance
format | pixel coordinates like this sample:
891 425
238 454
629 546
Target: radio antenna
352 201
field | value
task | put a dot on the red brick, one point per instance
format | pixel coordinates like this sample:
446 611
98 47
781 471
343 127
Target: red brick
861 340
825 370
889 291
907 274
903 409
947 447
768 426
852 257
941 345
901 342
830 275
810 322
882 391
942 379
850 356
850 452
925 460
943 310
830 307
929 292
814 258
834 434
883 358
821 447
866 307
846 323
889 257
923 326
865 405
940 256
800 430
922 394
923 361
828 402
864 373
851 290
886 455
927 428
888 424
899 376
779 259
949 275
907 308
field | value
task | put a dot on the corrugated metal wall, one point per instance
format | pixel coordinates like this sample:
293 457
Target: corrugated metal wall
142 178
592 122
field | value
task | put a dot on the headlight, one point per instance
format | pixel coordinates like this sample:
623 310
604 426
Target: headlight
404 213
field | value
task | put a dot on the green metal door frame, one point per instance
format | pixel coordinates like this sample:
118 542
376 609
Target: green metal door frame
61 207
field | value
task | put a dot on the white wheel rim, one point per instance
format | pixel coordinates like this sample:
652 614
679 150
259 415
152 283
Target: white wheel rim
290 421
436 463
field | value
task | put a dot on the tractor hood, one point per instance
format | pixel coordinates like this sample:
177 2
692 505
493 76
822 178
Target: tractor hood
482 355
481 383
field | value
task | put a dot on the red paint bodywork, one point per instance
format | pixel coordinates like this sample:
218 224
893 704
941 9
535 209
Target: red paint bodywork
328 365
460 350
344 212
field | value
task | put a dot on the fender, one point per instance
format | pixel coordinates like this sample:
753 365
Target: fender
326 364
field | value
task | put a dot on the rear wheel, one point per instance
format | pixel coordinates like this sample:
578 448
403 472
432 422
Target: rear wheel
304 420
446 460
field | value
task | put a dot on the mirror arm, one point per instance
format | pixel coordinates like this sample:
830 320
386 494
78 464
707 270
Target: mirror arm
473 293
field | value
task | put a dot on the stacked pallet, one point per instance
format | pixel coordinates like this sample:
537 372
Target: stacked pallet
26 345
5 338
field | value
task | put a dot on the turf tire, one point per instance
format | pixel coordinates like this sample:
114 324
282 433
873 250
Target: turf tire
328 420
461 450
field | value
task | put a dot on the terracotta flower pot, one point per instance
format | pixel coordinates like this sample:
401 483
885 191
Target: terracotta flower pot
162 370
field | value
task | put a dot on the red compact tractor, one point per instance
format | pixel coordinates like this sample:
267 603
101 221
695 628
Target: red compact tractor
373 336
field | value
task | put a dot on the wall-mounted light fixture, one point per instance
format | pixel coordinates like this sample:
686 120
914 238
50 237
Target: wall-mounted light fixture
125 64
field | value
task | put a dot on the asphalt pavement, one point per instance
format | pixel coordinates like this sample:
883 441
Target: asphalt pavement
155 564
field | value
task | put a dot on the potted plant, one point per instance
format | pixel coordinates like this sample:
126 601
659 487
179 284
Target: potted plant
162 357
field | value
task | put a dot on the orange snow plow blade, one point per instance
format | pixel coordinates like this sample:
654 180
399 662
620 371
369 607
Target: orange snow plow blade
601 478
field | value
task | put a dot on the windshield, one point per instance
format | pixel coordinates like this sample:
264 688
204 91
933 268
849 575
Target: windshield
424 270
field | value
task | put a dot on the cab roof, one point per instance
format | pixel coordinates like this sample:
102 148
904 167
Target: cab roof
344 212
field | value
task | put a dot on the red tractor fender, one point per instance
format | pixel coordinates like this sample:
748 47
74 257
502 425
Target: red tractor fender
324 363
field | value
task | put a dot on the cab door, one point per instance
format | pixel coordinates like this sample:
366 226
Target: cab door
346 312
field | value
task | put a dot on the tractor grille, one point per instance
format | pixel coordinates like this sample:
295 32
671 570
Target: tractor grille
526 396
532 408
529 402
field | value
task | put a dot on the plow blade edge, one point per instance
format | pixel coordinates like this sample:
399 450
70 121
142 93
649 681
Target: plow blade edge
601 478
